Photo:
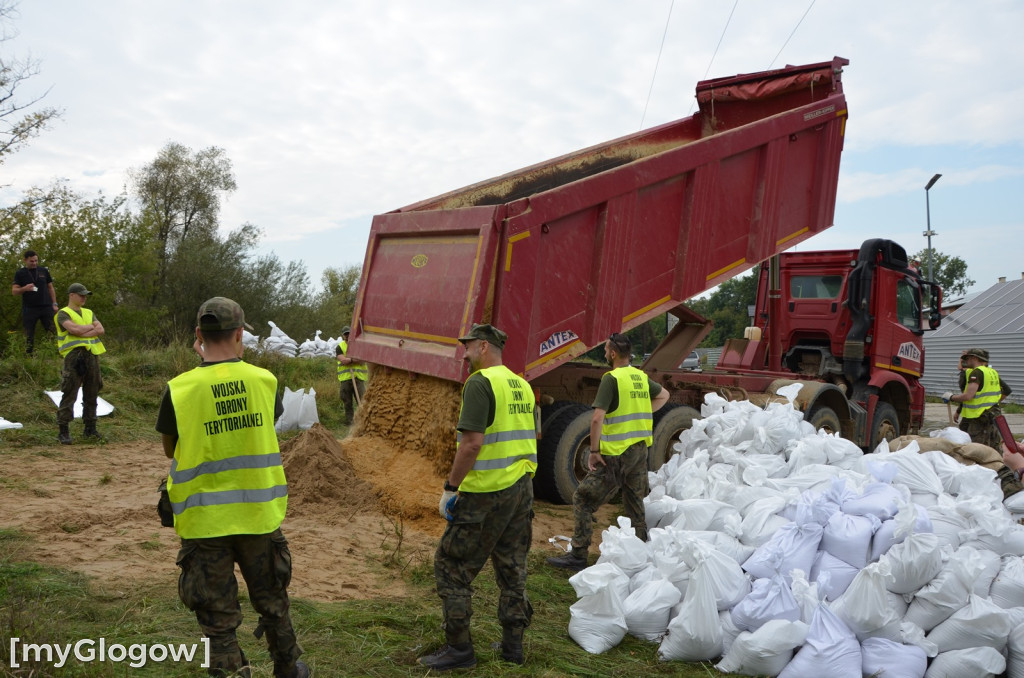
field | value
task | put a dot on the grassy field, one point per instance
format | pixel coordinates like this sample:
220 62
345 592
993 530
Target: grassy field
379 637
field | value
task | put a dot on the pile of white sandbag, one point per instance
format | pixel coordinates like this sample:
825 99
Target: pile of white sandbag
778 550
317 347
279 342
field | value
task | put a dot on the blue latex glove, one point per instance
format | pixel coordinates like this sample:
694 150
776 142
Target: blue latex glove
447 504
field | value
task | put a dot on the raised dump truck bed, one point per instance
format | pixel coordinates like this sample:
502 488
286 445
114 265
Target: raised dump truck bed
565 252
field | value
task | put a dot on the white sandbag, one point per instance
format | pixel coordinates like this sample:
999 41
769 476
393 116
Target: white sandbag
647 608
695 634
979 623
947 469
1006 542
977 482
725 543
830 649
913 563
909 519
658 507
621 546
764 652
762 521
597 622
849 537
599 577
4 424
948 524
886 658
881 500
806 594
915 471
953 434
768 599
1007 590
947 592
976 662
649 573
791 547
833 576
991 563
307 411
1015 653
289 419
729 630
704 514
865 606
728 582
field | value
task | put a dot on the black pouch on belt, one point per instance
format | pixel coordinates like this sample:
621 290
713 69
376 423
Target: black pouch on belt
80 358
163 506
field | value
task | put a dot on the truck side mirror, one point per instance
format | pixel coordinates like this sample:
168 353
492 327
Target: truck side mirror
934 320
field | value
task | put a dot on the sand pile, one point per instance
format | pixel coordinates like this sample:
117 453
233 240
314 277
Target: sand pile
321 480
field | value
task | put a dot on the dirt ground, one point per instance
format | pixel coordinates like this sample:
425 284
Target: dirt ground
360 511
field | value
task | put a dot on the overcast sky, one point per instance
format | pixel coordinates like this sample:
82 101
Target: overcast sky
332 112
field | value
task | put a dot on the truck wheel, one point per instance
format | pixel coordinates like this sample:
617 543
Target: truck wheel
570 458
827 419
886 425
666 433
553 427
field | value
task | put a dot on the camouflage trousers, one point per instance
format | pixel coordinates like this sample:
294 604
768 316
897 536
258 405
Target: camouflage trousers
487 525
347 391
983 429
208 587
81 370
626 472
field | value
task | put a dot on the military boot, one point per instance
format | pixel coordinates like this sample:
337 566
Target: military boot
64 436
91 432
511 645
458 656
574 560
299 670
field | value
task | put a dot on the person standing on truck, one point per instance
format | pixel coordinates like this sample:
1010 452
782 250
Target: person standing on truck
78 342
351 377
228 494
983 390
488 503
34 285
620 435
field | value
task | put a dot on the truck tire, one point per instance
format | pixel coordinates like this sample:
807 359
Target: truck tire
667 428
569 462
885 425
826 418
555 418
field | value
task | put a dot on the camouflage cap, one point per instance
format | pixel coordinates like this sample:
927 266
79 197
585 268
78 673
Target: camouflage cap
488 333
79 288
221 313
979 353
346 329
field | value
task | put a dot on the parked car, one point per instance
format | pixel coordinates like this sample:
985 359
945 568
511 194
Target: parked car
691 362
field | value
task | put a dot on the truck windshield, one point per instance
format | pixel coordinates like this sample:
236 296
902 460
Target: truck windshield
815 286
908 308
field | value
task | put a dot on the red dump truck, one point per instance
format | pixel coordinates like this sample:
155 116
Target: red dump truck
563 253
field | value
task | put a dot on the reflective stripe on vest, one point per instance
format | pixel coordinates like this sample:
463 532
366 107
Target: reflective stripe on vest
989 393
631 422
346 372
67 342
226 477
509 448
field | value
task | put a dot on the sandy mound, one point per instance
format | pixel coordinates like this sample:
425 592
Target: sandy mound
321 481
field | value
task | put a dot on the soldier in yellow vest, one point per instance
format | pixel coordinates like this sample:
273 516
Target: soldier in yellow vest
983 391
351 377
620 435
228 493
78 341
488 503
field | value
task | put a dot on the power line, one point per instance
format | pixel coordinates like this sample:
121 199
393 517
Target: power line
715 53
655 75
793 33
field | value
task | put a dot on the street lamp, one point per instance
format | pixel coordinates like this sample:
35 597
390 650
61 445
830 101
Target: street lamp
928 215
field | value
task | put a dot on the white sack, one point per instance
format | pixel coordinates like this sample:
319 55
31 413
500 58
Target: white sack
830 650
1015 653
307 411
952 433
768 599
728 583
4 424
289 419
598 577
881 500
913 563
1007 588
977 662
597 622
833 576
911 518
621 546
979 623
647 609
695 634
865 606
764 652
791 547
849 537
888 659
947 592
103 408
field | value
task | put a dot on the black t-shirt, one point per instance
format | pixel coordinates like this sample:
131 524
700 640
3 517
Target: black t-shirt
40 277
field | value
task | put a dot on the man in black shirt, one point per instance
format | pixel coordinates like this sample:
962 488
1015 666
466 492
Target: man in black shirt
34 285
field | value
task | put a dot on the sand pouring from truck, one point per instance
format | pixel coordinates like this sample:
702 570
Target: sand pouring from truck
565 252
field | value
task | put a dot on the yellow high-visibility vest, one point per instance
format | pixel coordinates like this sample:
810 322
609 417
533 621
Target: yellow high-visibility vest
989 393
226 477
67 342
509 450
632 421
355 369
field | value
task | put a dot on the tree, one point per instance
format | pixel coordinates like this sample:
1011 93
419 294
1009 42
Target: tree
337 300
949 271
180 194
727 307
